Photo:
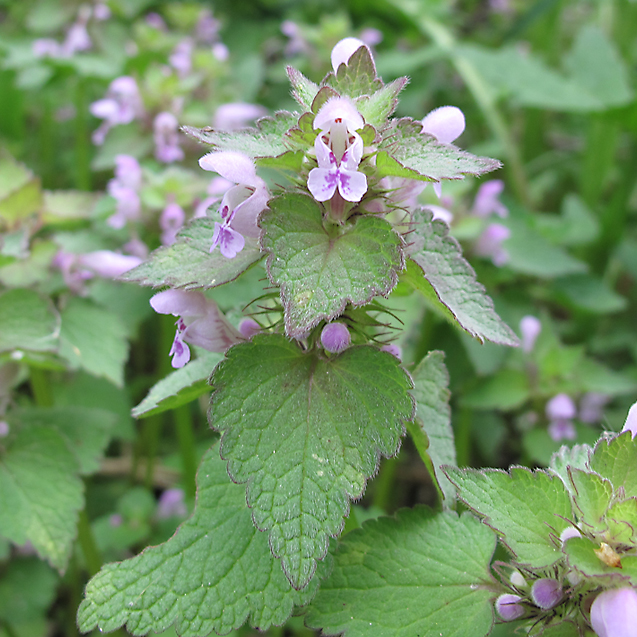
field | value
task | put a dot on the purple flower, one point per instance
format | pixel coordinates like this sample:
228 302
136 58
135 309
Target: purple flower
569 533
440 213
200 323
489 244
546 593
171 220
181 57
394 350
298 43
171 504
335 337
207 27
115 520
530 327
4 428
631 421
124 188
166 136
560 407
339 150
108 264
241 204
236 115
344 50
77 39
249 327
509 607
562 430
487 202
46 47
332 173
220 51
121 105
101 11
614 613
155 21
591 405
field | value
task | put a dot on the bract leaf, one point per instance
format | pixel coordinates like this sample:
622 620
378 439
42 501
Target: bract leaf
581 555
189 264
266 140
529 509
439 256
433 416
40 492
215 573
616 459
321 270
305 433
303 89
414 574
592 497
376 108
408 152
357 77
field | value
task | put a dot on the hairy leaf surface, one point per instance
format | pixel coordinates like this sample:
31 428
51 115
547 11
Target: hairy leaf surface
305 432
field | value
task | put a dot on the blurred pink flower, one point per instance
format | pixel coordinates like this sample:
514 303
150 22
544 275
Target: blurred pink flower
181 57
614 613
171 220
489 244
344 50
121 105
124 189
237 115
530 327
487 202
166 136
200 323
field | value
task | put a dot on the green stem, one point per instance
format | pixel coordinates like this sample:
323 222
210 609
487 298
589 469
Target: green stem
151 433
485 100
186 438
384 483
87 543
40 387
463 438
82 143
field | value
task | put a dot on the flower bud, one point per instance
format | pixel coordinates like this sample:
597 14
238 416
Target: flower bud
568 533
614 613
335 337
508 606
517 579
546 593
249 327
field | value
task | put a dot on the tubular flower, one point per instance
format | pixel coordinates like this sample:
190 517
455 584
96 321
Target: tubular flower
200 323
241 204
339 150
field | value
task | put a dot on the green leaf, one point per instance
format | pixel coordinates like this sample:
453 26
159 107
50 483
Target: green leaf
529 509
596 65
305 433
417 573
586 292
179 387
408 152
189 264
433 417
68 206
575 457
86 431
376 108
94 339
505 390
530 253
27 589
622 521
576 225
321 270
29 321
40 493
20 194
581 555
215 573
592 497
357 77
563 629
616 459
439 256
303 90
266 140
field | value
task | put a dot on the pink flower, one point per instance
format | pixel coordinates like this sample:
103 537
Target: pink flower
200 323
560 407
614 613
166 136
489 244
124 188
591 406
171 504
171 220
121 105
237 115
241 204
181 57
487 202
530 327
46 47
335 337
339 150
631 421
